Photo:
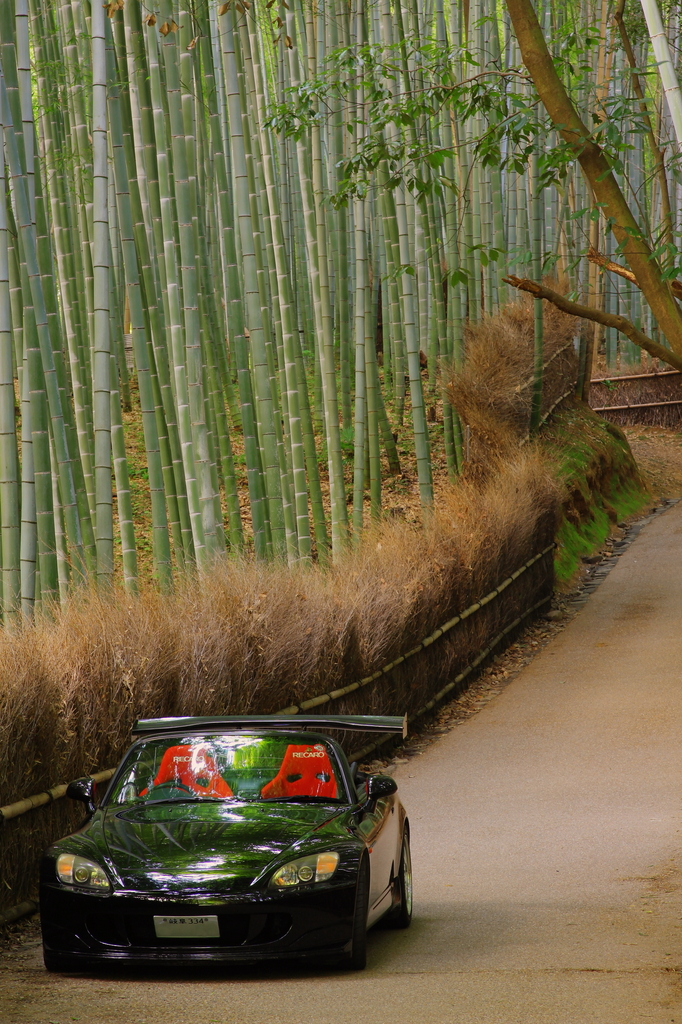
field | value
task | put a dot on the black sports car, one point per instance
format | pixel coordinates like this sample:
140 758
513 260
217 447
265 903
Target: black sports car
230 839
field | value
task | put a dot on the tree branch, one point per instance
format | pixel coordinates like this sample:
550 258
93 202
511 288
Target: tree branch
603 261
540 291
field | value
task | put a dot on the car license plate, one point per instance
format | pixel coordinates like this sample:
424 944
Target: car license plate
186 927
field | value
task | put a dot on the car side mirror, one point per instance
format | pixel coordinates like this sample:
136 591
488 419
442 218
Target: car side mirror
84 791
379 786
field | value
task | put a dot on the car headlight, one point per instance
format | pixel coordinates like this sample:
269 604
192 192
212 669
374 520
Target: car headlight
318 868
80 872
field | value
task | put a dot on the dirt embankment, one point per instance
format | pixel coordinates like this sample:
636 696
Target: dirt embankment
610 475
602 484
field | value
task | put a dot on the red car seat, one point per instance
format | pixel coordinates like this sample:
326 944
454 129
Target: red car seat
305 771
194 768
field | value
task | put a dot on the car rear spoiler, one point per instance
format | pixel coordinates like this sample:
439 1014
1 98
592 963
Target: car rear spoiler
283 723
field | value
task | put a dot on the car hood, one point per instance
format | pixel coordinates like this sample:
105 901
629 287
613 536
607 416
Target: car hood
212 847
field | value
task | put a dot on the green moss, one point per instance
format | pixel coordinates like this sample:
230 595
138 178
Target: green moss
577 541
600 479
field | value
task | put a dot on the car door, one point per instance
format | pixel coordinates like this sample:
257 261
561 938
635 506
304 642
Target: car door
379 827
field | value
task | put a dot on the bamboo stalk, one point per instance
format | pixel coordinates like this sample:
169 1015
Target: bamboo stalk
101 342
9 467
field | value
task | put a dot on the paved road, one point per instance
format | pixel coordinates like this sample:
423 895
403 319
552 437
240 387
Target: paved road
546 838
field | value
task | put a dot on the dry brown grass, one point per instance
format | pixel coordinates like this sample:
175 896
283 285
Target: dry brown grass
493 390
249 637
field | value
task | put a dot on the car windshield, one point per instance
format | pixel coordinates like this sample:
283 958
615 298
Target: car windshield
229 767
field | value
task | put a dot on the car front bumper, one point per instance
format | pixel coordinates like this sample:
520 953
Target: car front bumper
80 928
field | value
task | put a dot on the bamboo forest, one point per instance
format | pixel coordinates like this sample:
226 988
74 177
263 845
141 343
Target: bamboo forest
262 227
